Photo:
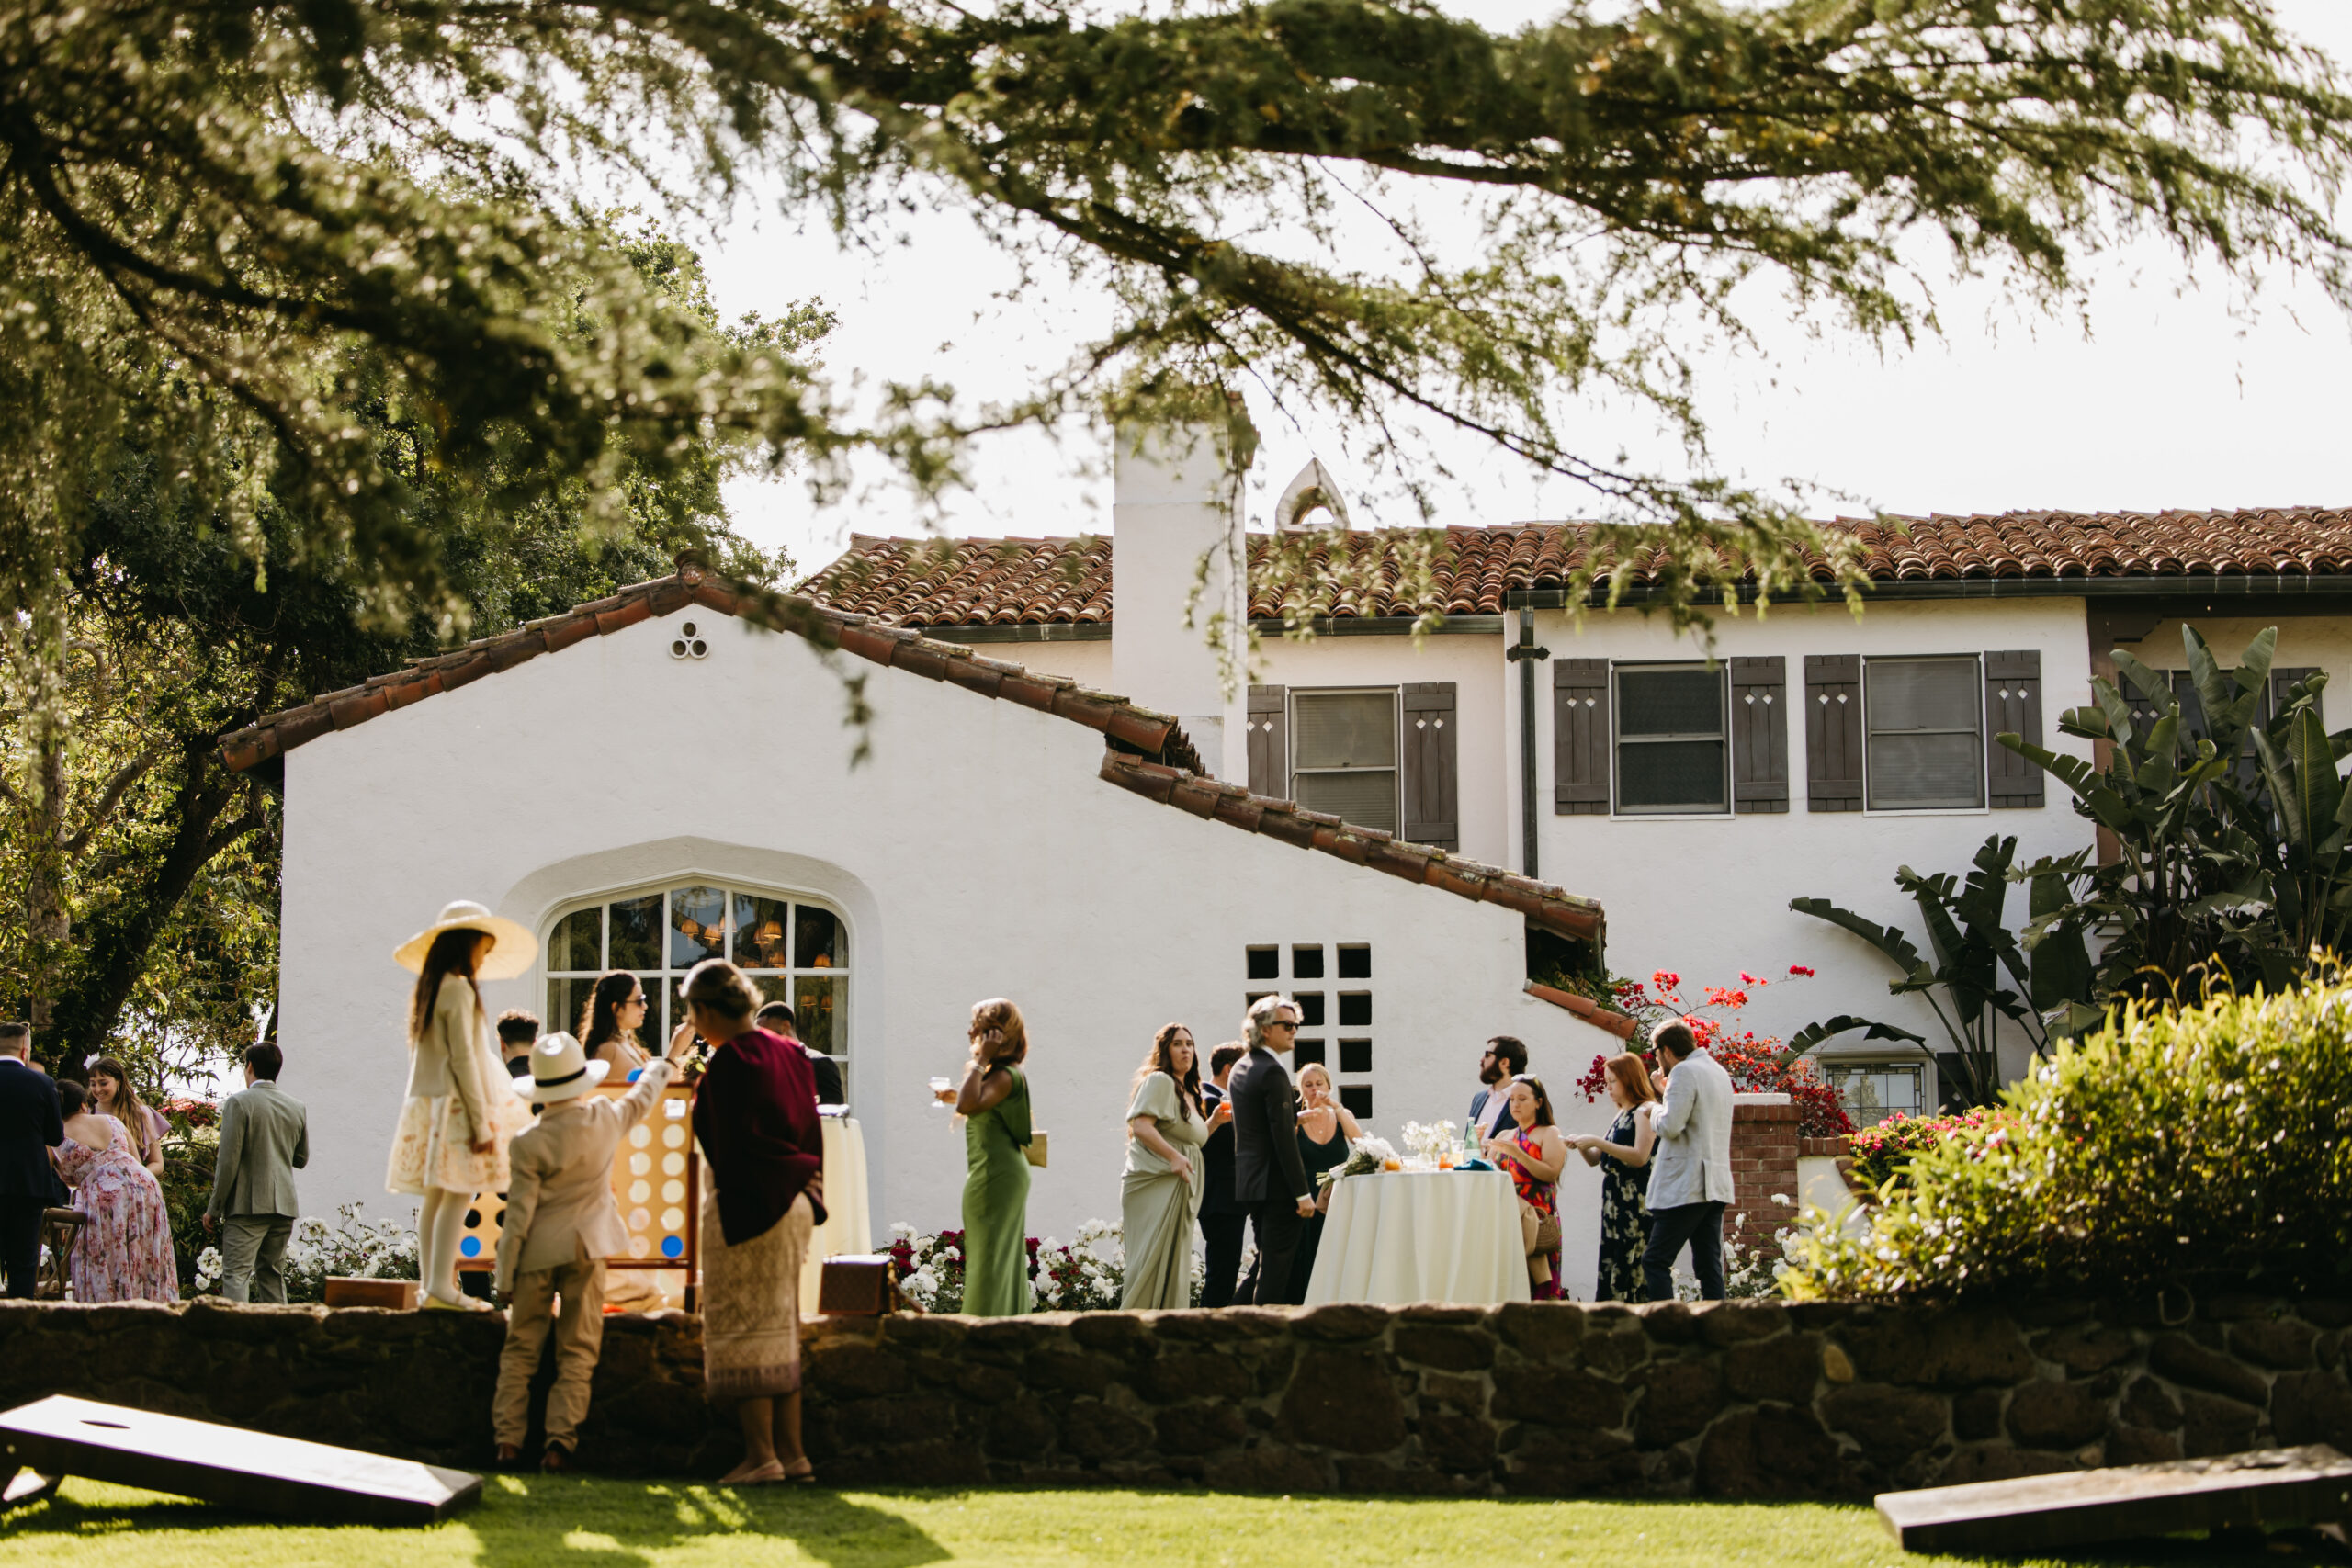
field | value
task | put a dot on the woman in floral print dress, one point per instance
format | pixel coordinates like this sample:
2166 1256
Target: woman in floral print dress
124 1253
1624 1154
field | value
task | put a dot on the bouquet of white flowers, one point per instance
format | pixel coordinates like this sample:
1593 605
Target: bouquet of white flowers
1364 1156
1428 1138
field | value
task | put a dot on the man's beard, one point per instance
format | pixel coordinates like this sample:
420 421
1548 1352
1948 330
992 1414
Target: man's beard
1492 1073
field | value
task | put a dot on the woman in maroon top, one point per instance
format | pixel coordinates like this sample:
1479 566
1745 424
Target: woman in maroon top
755 1116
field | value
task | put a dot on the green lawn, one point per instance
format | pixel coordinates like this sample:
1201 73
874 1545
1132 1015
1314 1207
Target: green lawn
617 1524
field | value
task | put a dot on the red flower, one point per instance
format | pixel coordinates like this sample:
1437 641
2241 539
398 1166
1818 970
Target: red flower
1665 979
1800 969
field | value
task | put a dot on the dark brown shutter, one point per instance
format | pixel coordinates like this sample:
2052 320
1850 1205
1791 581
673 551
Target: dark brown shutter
1269 734
1580 737
2012 707
1433 773
1833 731
1760 734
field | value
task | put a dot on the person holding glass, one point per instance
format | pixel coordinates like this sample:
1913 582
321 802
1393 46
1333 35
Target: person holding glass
1160 1192
994 1102
1623 1156
1533 1151
1325 1128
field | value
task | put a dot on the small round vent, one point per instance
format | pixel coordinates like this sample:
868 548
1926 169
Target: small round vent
686 645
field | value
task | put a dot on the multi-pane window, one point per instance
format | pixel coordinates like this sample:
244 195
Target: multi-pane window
1926 721
1673 755
1873 1091
794 949
1352 1067
1343 755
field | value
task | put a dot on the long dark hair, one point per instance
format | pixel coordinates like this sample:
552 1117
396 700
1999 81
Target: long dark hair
600 1019
1163 1047
1543 1098
129 1109
452 953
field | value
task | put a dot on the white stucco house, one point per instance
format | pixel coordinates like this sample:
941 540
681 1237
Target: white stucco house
1381 826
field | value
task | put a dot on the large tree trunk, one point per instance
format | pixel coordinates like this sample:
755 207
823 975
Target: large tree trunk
122 935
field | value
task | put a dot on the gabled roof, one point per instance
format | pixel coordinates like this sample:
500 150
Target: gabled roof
943 582
1147 752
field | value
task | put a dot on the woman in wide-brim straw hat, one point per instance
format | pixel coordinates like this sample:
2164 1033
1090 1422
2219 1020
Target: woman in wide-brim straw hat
460 1113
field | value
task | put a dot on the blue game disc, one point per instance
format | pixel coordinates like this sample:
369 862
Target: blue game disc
471 1247
672 1247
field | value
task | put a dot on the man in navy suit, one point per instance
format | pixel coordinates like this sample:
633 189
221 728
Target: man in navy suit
29 1128
1269 1176
1223 1218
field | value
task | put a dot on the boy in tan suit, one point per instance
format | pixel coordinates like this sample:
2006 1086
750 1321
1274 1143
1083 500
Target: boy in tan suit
561 1224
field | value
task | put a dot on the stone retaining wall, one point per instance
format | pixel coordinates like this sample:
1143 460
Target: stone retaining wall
1756 1399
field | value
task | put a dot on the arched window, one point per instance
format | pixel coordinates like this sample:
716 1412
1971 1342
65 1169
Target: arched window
796 950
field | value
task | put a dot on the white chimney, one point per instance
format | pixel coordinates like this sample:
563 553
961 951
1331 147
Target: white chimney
1178 552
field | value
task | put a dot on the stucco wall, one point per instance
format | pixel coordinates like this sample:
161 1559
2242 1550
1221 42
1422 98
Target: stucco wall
975 854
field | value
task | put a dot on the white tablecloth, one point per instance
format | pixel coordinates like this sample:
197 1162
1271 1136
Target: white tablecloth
849 1223
1438 1235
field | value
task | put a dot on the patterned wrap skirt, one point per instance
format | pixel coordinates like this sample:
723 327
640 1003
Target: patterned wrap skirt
430 1148
751 1305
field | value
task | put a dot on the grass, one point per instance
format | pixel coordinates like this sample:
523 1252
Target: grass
578 1523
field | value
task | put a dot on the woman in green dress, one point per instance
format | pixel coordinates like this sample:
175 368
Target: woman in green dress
1162 1191
994 1102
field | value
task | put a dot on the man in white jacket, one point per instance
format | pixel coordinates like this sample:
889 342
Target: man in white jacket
1690 1171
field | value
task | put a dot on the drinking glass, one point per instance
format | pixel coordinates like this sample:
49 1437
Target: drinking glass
938 1087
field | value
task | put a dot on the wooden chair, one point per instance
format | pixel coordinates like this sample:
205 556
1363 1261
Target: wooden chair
60 1230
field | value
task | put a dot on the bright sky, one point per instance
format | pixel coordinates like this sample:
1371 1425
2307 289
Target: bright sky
2175 396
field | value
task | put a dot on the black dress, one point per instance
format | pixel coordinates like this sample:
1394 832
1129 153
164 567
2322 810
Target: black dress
1624 1219
1318 1159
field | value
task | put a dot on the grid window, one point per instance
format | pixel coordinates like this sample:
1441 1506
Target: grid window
1311 1009
1306 963
1305 1051
1343 755
794 952
1673 756
1927 733
1355 1055
1873 1091
1265 963
1355 960
1357 1098
1355 1008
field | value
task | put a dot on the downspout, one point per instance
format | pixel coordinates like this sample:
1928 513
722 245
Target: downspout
1526 655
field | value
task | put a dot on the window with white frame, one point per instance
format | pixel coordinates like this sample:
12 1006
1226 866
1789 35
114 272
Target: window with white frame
1344 755
1873 1091
1926 723
1673 753
795 950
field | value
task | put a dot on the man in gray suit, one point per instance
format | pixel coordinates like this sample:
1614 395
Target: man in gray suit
265 1139
1690 1171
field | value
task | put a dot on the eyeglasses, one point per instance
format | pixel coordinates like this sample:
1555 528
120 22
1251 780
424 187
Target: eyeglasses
1282 1023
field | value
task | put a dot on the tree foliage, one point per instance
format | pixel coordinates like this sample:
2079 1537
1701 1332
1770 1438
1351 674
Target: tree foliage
1372 207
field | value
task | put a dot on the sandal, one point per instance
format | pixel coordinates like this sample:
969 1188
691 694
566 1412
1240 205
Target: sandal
800 1472
761 1476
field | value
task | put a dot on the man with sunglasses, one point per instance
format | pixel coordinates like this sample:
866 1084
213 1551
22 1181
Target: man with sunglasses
1506 1058
1269 1176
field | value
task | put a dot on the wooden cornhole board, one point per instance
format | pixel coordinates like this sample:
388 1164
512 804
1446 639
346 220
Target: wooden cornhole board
62 1436
2268 1489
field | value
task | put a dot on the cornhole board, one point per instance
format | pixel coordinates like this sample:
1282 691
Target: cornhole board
61 1436
2268 1489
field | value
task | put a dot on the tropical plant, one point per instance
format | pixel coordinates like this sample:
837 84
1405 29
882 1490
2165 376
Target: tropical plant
2229 831
2207 1142
1981 974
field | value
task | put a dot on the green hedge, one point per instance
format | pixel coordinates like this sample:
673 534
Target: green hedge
2214 1142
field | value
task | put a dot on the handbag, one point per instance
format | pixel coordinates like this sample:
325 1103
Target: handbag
1541 1230
1035 1149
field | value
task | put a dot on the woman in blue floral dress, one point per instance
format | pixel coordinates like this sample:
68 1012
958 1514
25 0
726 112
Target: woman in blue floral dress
1623 1156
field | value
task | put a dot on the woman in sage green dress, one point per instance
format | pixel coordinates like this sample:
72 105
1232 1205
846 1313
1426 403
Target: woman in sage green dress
1160 1194
994 1102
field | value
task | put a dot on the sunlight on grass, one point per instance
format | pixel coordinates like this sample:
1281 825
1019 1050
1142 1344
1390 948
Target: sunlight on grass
574 1523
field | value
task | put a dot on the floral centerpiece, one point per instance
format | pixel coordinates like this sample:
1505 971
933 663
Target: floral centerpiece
1428 1139
1365 1156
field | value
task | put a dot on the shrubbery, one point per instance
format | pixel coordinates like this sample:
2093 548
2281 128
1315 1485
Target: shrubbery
2215 1142
1885 1153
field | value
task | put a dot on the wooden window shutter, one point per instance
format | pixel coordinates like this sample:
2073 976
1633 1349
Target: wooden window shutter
1833 731
1269 733
1760 734
1580 737
1432 770
2283 682
2012 705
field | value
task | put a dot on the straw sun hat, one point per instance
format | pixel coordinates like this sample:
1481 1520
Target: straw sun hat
560 1070
512 954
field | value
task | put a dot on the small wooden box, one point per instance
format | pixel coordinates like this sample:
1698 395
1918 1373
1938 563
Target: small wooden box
858 1285
401 1295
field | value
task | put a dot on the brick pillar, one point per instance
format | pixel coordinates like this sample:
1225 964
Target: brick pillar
1763 1162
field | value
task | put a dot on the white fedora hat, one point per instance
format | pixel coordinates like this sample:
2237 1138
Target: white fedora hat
559 1071
512 953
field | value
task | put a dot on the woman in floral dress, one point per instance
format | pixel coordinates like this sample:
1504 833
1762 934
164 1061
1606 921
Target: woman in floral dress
1623 1156
1533 1151
124 1253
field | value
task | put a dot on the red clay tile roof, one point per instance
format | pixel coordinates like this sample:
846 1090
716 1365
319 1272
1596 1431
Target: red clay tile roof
1147 752
1229 803
941 583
